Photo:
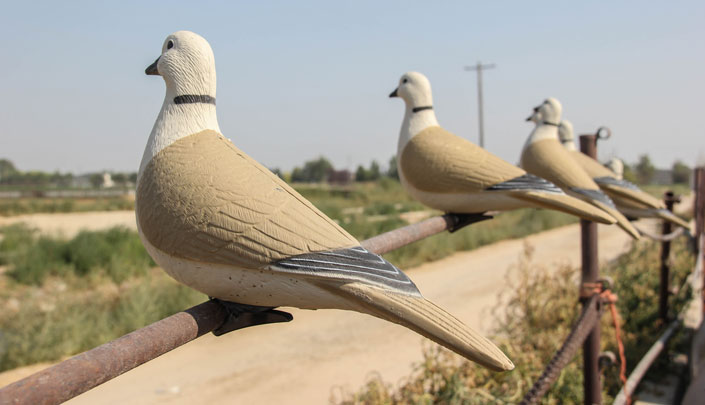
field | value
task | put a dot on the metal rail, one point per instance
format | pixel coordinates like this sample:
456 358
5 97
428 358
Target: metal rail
89 369
580 331
646 362
661 238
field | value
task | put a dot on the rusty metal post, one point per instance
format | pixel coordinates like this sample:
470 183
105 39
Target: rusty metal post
699 213
592 387
669 198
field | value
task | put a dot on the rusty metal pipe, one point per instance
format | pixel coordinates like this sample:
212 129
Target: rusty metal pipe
397 238
89 369
589 317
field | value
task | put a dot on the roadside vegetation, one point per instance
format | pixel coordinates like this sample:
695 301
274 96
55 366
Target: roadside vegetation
541 308
63 296
19 206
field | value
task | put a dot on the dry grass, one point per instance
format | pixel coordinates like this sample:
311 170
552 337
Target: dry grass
540 312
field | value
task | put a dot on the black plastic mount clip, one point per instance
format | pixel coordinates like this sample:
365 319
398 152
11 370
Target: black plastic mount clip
242 316
460 221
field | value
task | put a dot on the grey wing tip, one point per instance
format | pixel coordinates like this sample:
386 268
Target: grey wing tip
596 195
616 182
349 265
527 182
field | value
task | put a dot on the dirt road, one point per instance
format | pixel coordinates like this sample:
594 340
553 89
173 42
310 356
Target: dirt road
304 361
311 358
69 224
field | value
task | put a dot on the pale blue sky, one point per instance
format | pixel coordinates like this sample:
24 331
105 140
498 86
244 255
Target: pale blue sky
302 79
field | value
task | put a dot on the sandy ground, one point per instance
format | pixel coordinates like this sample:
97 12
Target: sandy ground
321 352
69 224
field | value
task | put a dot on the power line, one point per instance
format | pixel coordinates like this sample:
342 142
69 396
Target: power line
479 68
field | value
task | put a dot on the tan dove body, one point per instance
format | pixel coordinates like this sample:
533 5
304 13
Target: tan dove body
452 174
219 222
628 198
543 155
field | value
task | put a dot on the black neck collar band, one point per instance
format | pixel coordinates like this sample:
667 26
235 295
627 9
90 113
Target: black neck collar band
417 109
194 98
549 123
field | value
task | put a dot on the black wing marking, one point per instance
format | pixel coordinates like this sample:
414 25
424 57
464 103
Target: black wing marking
596 195
526 182
616 182
354 264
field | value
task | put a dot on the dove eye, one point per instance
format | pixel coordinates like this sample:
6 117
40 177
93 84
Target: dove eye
169 44
405 80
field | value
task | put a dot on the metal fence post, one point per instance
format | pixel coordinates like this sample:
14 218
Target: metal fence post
669 198
592 393
699 212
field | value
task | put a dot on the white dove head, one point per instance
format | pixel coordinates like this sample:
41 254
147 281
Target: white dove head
565 132
415 89
550 111
187 65
617 166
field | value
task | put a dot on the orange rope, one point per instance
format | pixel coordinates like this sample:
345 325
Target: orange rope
611 299
589 289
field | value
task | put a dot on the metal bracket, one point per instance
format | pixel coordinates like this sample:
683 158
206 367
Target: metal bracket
603 133
242 316
457 222
587 290
607 359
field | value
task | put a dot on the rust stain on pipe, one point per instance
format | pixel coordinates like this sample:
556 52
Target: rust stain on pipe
87 370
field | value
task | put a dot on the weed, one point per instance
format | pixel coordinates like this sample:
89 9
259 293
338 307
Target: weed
540 311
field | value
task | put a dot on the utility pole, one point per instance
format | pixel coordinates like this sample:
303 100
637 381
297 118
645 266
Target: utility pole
479 68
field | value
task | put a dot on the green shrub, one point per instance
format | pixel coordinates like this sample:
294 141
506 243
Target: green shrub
51 326
116 252
540 311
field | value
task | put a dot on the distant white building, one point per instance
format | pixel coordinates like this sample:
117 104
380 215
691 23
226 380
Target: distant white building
107 181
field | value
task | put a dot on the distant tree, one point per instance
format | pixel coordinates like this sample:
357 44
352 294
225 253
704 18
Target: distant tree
57 179
96 180
35 177
7 170
317 170
119 178
278 172
297 175
314 171
373 173
361 174
644 169
680 173
393 172
628 174
132 177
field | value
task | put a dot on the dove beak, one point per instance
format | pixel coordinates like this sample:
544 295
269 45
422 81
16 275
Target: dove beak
536 110
394 93
153 69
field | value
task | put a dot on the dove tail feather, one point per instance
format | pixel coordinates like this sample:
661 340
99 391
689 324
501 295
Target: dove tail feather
567 204
622 221
429 320
673 218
